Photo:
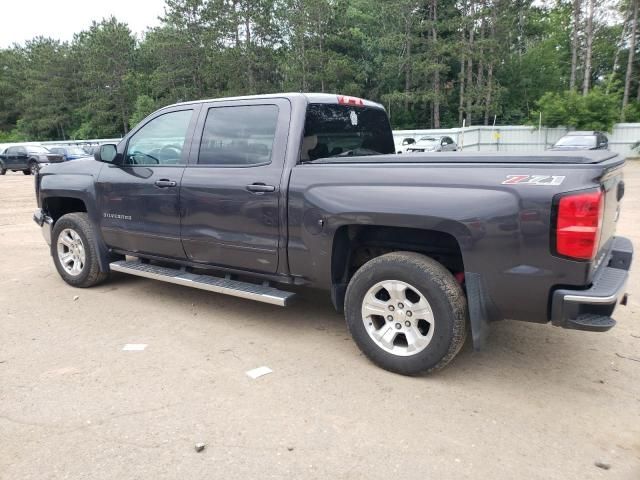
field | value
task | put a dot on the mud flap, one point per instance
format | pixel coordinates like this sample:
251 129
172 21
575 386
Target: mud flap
480 309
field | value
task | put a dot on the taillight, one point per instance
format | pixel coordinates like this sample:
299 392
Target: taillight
578 222
345 100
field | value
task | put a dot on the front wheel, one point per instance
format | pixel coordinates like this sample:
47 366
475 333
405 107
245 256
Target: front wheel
33 167
74 252
406 312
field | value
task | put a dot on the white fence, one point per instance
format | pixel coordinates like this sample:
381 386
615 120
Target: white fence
521 138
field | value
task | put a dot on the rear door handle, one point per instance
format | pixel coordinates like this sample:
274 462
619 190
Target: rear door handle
164 183
260 188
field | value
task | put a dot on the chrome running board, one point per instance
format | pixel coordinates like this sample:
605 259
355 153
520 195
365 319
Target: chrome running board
260 293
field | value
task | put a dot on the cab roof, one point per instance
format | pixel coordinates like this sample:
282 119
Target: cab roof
329 98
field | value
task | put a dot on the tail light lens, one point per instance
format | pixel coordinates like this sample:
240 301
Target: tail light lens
356 102
578 224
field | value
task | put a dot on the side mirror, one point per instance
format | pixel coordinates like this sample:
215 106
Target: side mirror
107 153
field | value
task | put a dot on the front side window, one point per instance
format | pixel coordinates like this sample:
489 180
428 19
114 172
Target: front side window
161 141
238 136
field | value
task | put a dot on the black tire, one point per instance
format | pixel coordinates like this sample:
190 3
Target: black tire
90 274
3 170
33 167
26 172
446 299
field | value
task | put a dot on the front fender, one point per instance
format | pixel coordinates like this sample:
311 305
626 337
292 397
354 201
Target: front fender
75 180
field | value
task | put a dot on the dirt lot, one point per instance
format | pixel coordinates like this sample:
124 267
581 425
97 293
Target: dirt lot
538 402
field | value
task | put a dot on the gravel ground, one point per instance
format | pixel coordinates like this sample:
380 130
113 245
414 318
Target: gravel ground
537 403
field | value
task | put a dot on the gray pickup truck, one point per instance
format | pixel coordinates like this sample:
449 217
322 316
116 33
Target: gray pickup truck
247 196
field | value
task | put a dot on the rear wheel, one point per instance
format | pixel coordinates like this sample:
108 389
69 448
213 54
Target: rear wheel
406 312
74 252
33 167
3 170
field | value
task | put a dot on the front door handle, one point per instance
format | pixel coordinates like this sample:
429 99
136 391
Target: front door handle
260 188
164 183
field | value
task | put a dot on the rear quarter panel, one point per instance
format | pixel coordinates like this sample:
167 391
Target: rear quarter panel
503 230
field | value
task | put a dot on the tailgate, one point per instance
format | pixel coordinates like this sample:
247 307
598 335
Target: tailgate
613 185
54 158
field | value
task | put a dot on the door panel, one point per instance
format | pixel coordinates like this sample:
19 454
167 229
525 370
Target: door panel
140 199
137 215
10 157
230 191
17 158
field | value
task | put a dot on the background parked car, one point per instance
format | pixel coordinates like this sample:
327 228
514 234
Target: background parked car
433 144
581 140
3 170
70 152
406 143
27 158
91 150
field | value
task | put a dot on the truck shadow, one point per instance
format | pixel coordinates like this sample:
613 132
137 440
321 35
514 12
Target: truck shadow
512 350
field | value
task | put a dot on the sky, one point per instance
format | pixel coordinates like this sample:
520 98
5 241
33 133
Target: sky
25 19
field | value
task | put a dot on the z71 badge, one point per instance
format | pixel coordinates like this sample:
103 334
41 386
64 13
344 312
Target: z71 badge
534 180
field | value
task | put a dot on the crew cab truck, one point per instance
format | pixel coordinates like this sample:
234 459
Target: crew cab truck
247 196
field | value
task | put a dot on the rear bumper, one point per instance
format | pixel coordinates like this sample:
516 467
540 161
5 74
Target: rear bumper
45 222
591 309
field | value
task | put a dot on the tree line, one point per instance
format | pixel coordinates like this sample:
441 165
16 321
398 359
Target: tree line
432 63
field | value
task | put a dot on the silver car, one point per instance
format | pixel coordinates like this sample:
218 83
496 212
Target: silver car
433 143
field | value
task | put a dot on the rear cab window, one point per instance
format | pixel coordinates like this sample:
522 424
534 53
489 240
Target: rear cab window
334 130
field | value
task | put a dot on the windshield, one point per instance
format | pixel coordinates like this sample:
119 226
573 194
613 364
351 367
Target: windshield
36 149
341 130
577 141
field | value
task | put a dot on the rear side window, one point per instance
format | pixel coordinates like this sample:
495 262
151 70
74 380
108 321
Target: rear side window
238 136
333 130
